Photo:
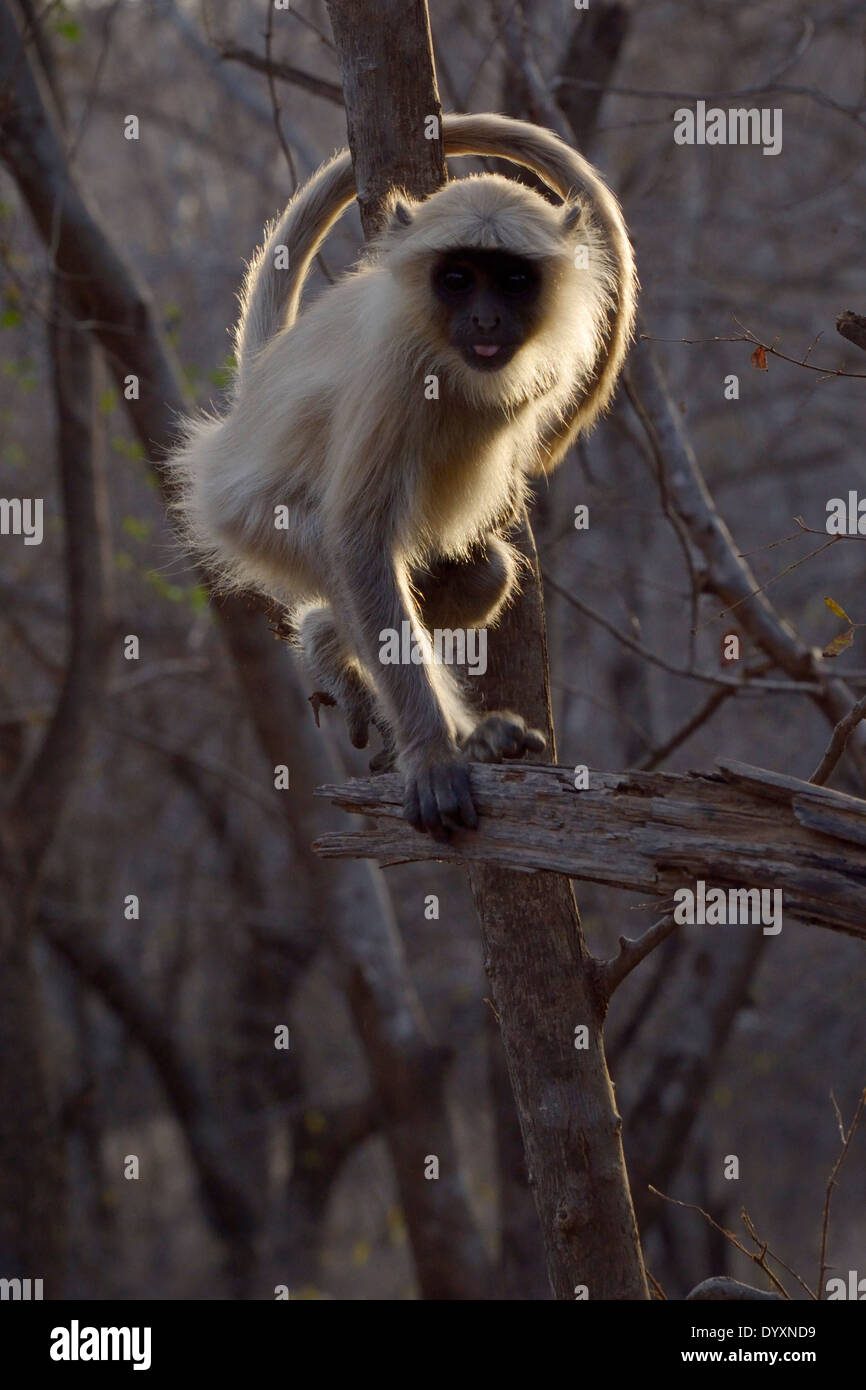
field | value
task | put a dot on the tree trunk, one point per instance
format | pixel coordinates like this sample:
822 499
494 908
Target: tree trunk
540 973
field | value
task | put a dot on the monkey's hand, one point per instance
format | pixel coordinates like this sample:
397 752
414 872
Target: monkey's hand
499 735
438 796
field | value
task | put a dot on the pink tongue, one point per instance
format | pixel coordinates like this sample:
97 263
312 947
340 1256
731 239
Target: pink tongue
485 349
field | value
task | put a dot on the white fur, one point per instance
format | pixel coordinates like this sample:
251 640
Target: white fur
329 416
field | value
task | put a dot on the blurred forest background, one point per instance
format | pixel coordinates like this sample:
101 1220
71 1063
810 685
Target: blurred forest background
262 1166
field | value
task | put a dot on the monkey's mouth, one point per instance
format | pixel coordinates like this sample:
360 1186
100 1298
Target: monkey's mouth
488 357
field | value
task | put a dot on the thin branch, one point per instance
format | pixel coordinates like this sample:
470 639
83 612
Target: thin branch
748 337
729 577
706 711
151 738
782 574
750 1227
831 1183
224 1199
702 716
611 973
93 85
759 1258
314 28
732 683
319 86
836 747
853 113
275 105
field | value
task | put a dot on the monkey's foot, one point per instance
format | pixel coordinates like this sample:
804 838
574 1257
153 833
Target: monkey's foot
438 799
354 700
499 735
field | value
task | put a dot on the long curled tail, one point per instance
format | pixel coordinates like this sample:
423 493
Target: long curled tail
271 296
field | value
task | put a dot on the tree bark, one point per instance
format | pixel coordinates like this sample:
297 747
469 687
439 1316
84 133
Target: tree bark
389 86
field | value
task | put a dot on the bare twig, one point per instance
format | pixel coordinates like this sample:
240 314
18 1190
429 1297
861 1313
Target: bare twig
847 1136
732 683
853 113
750 1227
703 715
275 105
729 577
836 747
225 1202
762 588
747 336
308 81
611 973
759 1258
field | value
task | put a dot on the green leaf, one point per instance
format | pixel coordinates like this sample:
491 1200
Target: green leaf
199 598
837 609
223 375
67 28
130 448
132 526
158 582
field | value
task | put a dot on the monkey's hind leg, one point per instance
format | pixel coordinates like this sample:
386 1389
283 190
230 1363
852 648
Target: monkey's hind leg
342 682
469 593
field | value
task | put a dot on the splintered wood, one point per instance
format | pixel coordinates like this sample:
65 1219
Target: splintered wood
650 833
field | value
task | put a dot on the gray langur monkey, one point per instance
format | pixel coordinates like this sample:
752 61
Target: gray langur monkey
395 507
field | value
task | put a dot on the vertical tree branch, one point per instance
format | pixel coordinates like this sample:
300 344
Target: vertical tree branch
541 975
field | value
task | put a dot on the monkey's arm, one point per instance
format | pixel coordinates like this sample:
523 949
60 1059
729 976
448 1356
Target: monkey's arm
372 597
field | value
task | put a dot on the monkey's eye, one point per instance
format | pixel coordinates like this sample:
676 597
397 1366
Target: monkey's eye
456 281
518 282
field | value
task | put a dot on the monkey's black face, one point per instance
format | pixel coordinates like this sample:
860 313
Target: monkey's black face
490 301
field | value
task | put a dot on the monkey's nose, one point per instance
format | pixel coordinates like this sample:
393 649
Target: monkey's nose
486 325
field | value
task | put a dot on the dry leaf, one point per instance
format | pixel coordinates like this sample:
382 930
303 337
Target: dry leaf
840 643
759 359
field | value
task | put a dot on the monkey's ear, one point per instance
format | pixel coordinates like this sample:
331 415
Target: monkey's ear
573 214
401 216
